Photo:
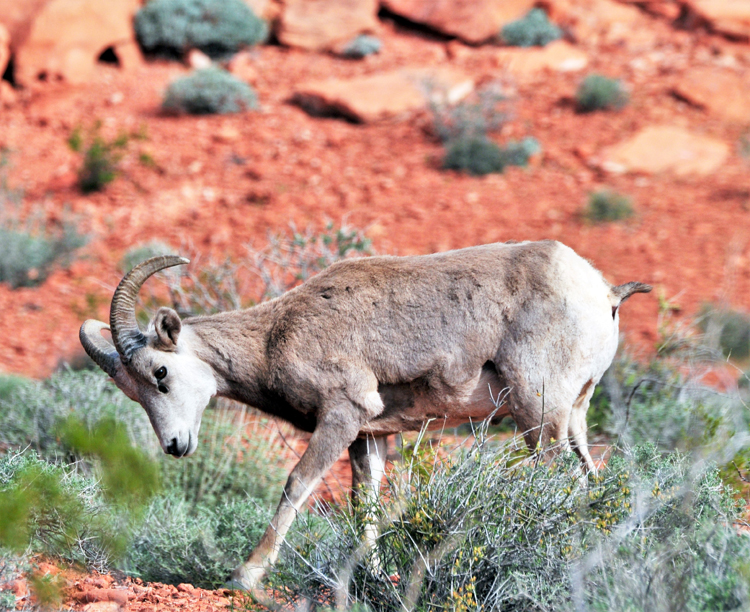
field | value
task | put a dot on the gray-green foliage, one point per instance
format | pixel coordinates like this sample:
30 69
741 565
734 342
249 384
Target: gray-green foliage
30 413
209 91
606 205
361 46
216 27
238 458
483 113
726 329
482 529
142 252
198 544
480 155
598 92
533 30
31 247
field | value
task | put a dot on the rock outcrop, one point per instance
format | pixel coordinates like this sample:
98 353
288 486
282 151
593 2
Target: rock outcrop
62 39
666 148
474 21
728 17
319 25
722 93
382 96
558 56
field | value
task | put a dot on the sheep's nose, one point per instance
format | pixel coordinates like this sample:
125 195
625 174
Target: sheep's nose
177 449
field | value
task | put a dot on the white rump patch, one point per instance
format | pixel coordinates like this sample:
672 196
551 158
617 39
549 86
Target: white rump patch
373 404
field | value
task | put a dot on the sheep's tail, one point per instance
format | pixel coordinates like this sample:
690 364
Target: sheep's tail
623 292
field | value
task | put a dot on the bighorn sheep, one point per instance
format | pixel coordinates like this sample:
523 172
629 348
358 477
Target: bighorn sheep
375 346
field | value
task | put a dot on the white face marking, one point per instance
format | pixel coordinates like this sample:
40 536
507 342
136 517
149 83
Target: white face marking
174 403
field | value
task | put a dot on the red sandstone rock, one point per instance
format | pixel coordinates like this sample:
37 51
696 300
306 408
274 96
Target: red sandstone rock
474 21
118 596
666 148
4 48
320 24
558 56
723 93
729 17
383 96
65 38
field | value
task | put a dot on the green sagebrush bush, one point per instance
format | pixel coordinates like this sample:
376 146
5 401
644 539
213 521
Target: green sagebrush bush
216 27
480 155
597 92
361 46
727 330
32 247
533 30
209 91
84 511
199 544
101 157
604 206
483 530
31 412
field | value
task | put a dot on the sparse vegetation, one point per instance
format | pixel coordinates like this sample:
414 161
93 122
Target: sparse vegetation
727 330
100 158
30 248
606 206
481 155
361 46
143 252
533 30
483 113
217 27
209 91
598 92
482 529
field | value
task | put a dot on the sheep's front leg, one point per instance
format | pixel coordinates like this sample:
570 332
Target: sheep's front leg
337 427
367 456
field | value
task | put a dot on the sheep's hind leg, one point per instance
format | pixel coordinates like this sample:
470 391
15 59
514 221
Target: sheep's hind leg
577 429
337 428
367 456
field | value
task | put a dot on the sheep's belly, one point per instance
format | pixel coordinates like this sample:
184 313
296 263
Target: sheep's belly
409 407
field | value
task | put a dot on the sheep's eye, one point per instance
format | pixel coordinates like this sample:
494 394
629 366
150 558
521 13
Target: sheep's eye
160 373
162 388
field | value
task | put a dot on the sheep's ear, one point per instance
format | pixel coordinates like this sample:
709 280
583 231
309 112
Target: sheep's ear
167 325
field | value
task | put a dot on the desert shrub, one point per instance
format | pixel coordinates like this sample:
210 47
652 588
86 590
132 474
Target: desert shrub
100 157
481 155
31 413
361 46
142 252
727 330
605 205
84 511
533 30
209 91
216 27
477 156
598 92
31 247
179 542
480 529
483 113
238 457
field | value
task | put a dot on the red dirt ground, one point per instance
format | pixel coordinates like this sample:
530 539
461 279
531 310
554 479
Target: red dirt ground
220 182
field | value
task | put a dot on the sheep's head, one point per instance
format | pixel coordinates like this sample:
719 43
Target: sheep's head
157 368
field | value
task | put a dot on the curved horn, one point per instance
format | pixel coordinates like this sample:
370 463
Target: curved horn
96 347
126 334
